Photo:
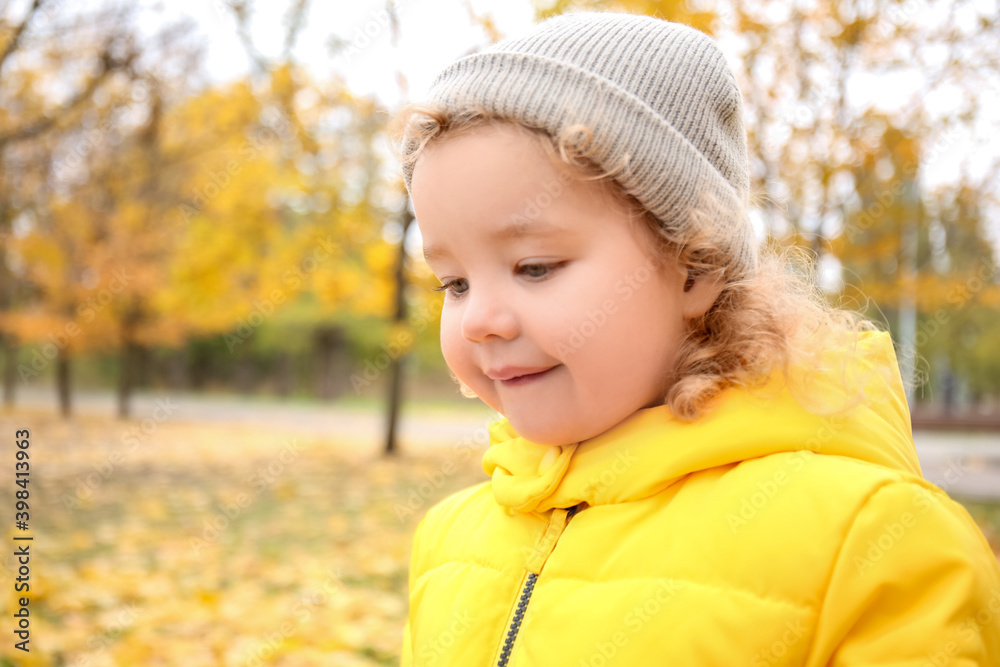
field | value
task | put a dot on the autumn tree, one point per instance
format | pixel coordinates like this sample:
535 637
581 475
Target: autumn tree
88 50
92 246
365 212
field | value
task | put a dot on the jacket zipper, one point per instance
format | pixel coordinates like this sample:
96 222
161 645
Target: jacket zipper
546 544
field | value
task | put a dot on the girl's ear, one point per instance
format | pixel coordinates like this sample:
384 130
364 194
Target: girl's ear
701 292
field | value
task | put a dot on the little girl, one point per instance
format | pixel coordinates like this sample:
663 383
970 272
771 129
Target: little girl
700 462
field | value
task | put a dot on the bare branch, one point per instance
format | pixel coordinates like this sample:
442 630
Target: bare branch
18 31
241 11
296 19
109 64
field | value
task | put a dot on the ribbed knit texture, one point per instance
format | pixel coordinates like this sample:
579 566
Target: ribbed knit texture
657 95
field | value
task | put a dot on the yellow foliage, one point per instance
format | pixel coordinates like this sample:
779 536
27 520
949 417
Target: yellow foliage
219 545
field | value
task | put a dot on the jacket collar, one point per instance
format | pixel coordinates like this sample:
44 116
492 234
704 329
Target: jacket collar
651 449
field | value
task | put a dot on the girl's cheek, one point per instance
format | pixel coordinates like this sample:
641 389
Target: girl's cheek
448 322
451 346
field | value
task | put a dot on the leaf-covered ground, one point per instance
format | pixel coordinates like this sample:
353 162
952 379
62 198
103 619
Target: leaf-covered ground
194 545
210 545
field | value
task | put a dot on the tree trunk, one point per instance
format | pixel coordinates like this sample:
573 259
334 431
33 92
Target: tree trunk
63 383
126 377
129 356
199 368
177 370
8 296
395 401
330 346
244 375
283 375
396 362
143 367
9 369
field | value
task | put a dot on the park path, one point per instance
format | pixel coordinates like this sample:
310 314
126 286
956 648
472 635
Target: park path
965 464
420 427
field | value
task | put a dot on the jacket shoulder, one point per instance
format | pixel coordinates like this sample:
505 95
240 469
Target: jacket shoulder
841 483
440 533
476 500
788 515
914 577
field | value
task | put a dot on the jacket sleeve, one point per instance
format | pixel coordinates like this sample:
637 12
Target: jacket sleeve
407 659
915 584
407 650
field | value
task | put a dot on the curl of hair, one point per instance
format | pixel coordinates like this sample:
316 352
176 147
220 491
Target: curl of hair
775 320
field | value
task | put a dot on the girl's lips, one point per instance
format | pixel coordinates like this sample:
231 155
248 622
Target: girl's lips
527 377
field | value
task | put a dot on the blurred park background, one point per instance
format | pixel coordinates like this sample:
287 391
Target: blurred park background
215 319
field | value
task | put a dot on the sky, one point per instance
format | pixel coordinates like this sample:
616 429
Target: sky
432 34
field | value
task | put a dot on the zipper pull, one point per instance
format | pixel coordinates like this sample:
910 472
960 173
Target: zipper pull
547 542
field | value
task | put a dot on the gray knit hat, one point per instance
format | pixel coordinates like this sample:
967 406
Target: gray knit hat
658 96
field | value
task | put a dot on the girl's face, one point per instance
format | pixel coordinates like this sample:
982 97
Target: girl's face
556 313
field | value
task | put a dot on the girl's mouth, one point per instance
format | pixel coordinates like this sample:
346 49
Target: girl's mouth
519 377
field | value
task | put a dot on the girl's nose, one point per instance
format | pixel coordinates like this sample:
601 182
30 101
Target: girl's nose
488 313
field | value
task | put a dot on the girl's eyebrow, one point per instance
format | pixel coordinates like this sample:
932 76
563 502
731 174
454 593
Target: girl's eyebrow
517 228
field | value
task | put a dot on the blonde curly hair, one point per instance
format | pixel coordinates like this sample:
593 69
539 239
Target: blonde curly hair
773 320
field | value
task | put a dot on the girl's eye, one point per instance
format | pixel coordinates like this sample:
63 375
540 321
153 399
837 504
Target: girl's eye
538 270
456 286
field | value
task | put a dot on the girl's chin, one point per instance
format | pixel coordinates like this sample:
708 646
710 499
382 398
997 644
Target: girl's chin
543 431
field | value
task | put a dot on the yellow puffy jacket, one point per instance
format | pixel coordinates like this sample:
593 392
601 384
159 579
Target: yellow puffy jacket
761 534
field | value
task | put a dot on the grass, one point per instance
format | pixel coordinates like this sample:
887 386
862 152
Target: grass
215 545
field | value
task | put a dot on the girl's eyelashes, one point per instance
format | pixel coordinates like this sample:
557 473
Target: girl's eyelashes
535 271
454 286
